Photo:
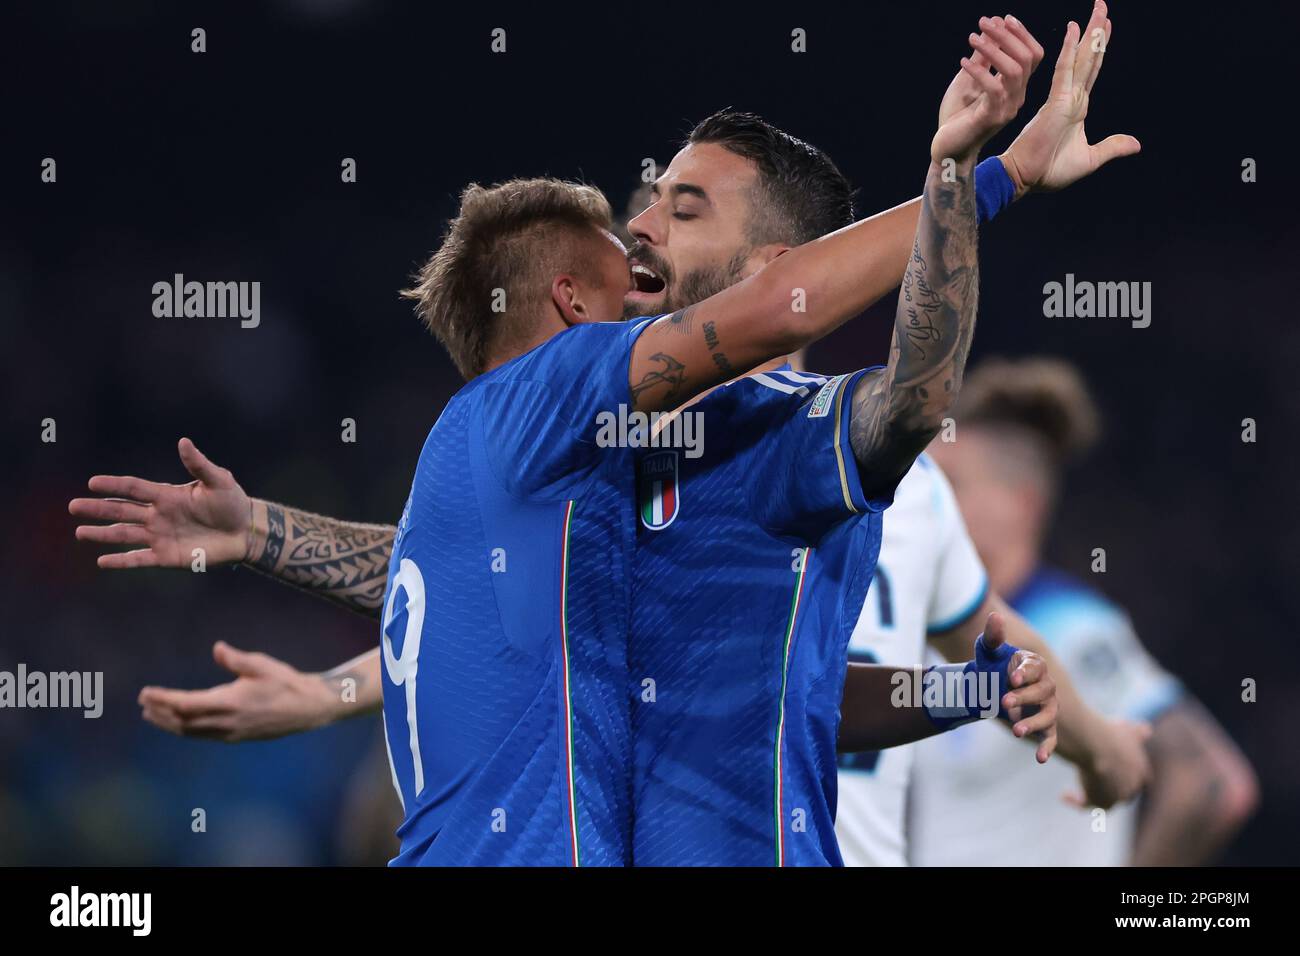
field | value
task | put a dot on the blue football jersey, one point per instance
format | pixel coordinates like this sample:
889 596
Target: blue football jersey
505 620
753 560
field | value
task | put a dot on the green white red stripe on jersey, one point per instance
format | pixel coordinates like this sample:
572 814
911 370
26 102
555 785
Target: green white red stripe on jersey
570 789
796 603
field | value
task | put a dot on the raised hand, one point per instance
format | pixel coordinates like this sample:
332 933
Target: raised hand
167 522
975 109
1052 151
963 90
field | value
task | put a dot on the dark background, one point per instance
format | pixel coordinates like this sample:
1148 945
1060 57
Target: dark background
225 166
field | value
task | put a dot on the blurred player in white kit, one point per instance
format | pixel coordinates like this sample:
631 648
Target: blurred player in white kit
971 792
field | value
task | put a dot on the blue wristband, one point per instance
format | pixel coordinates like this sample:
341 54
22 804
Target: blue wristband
994 189
956 694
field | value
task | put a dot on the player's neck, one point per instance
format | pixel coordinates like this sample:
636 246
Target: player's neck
544 330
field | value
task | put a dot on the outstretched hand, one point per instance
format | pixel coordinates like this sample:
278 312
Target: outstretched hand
268 698
167 522
1053 151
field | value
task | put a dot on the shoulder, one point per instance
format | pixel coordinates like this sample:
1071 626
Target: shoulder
577 347
1065 605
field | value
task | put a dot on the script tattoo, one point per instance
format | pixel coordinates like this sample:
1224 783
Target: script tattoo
711 342
922 304
898 410
711 334
344 562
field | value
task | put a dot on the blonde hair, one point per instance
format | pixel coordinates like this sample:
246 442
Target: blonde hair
510 239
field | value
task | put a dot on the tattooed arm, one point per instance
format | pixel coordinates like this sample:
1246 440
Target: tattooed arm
211 521
897 410
343 561
756 320
810 291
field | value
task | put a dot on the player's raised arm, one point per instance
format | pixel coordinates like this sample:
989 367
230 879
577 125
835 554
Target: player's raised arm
897 410
1049 154
170 525
760 318
809 291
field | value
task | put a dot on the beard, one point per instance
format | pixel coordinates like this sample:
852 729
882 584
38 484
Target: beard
695 286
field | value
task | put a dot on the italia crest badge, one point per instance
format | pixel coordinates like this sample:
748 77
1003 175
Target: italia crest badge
659 498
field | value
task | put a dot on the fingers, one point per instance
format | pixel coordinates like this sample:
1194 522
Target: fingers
1034 687
108 509
187 704
125 486
244 663
1011 45
209 728
1043 721
1032 705
1021 32
1063 75
1115 146
1101 39
985 80
1025 668
197 463
999 47
126 560
1047 747
999 57
995 632
164 718
113 534
1091 45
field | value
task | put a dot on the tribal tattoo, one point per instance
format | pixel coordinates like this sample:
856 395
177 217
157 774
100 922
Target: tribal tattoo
345 562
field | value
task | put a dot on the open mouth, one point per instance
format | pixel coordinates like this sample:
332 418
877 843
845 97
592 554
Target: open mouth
646 279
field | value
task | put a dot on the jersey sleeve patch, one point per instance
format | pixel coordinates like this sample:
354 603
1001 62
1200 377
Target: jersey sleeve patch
823 401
